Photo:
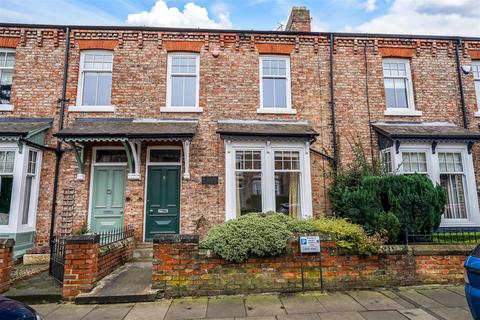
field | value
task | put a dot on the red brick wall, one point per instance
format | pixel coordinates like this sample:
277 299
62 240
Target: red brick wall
6 263
113 256
229 89
181 269
86 262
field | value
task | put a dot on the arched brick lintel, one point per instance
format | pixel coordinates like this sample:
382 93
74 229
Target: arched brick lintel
274 48
186 46
474 54
9 42
396 52
97 44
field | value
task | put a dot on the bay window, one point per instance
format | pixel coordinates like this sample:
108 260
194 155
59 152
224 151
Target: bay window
268 176
7 162
448 165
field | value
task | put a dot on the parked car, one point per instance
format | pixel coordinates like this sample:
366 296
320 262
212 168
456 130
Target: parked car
472 282
14 310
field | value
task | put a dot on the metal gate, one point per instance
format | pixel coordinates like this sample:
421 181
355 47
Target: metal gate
57 258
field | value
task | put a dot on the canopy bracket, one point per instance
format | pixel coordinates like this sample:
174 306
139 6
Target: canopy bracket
186 155
79 157
133 157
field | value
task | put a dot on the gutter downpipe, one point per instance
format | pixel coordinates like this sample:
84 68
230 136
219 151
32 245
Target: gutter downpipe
332 105
58 149
460 83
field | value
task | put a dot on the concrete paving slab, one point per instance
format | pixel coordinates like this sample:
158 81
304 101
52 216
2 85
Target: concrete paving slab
305 316
395 297
109 312
187 308
257 318
445 297
458 290
452 313
45 309
383 315
373 300
70 312
224 307
41 288
263 305
341 316
299 303
149 310
417 314
339 302
420 299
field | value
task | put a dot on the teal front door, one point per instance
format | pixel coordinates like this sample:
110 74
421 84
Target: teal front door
163 201
108 194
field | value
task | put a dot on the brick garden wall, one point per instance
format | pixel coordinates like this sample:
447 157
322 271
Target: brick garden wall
181 269
86 262
6 263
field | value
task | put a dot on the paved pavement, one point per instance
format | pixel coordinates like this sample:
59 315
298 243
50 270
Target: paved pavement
414 303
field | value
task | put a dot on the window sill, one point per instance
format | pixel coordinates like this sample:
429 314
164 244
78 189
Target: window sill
403 112
92 108
6 107
277 110
181 109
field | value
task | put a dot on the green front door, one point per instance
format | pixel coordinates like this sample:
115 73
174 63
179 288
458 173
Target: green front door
108 194
163 201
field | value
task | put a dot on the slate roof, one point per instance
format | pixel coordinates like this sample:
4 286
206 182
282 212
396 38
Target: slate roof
265 129
23 126
425 131
129 128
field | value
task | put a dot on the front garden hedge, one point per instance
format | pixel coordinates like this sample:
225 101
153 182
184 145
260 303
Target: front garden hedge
266 234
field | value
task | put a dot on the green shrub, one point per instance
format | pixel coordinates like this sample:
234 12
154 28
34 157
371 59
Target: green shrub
392 204
293 225
254 234
349 236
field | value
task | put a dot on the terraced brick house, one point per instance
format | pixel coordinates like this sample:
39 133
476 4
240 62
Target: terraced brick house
177 130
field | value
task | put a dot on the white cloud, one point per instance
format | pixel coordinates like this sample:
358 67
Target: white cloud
439 17
192 16
370 5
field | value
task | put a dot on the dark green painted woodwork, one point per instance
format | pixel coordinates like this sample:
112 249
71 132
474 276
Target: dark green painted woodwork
163 201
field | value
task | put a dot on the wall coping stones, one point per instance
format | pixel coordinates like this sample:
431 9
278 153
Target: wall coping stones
6 243
175 238
442 249
115 245
84 239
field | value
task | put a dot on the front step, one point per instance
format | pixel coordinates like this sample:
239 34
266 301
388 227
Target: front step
143 253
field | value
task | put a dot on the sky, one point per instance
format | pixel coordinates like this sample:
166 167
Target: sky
437 17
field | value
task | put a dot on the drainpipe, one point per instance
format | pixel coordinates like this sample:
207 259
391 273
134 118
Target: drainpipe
58 149
460 83
332 105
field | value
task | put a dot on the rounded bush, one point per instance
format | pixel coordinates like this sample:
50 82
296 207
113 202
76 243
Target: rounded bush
254 234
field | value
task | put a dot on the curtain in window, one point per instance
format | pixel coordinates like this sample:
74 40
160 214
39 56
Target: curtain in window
294 196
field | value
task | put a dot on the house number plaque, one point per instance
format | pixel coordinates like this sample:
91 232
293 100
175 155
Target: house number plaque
210 180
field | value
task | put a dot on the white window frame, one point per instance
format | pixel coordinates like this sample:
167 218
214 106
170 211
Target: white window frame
433 168
18 190
410 111
169 107
288 109
7 106
79 107
268 149
476 82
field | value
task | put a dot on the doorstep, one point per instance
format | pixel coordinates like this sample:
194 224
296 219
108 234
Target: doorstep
129 283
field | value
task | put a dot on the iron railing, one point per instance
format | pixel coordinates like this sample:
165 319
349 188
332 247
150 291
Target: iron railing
57 258
447 235
114 235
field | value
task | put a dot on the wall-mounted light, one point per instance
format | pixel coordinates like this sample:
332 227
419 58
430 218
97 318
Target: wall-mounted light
466 69
215 53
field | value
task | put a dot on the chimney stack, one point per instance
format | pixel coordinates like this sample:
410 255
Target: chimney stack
299 20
